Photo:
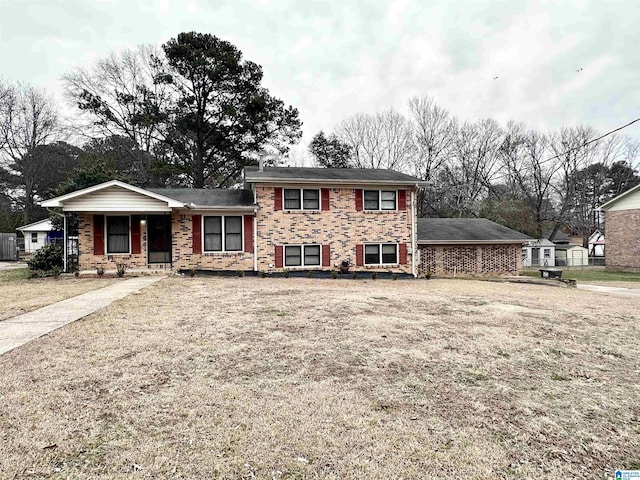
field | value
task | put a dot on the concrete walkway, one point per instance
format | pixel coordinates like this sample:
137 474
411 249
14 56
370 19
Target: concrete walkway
19 330
635 292
12 265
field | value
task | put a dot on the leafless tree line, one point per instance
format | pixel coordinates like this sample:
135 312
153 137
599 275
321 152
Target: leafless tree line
475 167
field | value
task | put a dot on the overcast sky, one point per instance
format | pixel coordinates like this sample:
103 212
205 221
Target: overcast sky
337 58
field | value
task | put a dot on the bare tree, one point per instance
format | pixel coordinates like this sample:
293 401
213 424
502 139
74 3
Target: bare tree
382 140
124 91
28 120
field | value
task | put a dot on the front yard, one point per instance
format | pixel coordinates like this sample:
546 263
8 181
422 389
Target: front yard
20 294
310 378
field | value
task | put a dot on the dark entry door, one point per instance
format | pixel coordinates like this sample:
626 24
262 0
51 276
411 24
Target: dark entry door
535 257
159 238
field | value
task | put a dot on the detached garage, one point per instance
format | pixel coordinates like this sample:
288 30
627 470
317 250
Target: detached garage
468 246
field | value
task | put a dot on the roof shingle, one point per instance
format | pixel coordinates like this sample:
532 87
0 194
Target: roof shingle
466 230
208 197
328 175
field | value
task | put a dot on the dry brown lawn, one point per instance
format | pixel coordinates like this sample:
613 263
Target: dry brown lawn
310 378
21 295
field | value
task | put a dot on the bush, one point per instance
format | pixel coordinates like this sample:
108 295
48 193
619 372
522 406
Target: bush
47 260
334 274
121 268
286 274
240 273
374 275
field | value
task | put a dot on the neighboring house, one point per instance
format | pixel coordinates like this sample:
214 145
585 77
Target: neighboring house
38 234
285 218
622 224
596 244
466 246
539 253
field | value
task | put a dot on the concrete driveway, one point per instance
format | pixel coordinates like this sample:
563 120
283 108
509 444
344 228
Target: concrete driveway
12 265
634 292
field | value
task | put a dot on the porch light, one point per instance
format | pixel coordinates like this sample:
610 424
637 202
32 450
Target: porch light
143 221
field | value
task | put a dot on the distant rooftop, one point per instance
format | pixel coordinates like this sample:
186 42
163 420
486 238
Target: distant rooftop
466 230
328 175
208 197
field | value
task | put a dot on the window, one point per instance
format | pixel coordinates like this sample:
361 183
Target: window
301 255
380 199
222 234
34 237
547 252
381 254
117 234
301 199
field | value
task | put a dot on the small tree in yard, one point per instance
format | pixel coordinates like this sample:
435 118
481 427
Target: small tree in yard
47 261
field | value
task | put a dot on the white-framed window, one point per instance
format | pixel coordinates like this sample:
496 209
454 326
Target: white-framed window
380 199
546 252
524 254
301 199
302 255
381 254
222 233
34 237
118 237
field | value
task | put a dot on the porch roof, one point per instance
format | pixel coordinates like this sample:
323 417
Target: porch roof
208 197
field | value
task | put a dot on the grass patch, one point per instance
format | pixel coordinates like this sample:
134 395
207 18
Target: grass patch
591 274
217 386
14 275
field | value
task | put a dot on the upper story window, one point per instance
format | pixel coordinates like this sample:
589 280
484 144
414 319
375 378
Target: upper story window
117 234
380 199
301 199
222 233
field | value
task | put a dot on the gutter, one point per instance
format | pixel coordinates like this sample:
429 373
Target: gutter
281 181
414 248
471 242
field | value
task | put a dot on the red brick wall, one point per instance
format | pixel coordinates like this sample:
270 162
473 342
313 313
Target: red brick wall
622 251
470 259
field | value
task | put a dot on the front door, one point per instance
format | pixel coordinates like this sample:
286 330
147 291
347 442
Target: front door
159 238
535 257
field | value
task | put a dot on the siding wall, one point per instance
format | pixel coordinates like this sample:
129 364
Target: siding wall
342 227
115 199
623 240
470 259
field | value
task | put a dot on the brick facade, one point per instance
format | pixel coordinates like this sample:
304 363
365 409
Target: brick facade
88 261
470 259
183 257
341 226
623 240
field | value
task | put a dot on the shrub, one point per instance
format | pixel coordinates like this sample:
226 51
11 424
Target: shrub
121 268
374 275
240 273
334 274
263 274
286 274
427 275
310 274
354 275
47 259
100 270
394 276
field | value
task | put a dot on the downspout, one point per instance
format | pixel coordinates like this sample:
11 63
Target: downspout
255 231
65 245
413 232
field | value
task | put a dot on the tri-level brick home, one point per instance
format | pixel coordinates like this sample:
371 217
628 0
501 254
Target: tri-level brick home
284 219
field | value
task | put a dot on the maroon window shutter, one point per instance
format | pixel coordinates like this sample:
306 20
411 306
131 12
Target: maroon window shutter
98 234
325 198
358 200
403 254
326 255
135 234
360 254
248 233
277 199
402 200
196 233
279 256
